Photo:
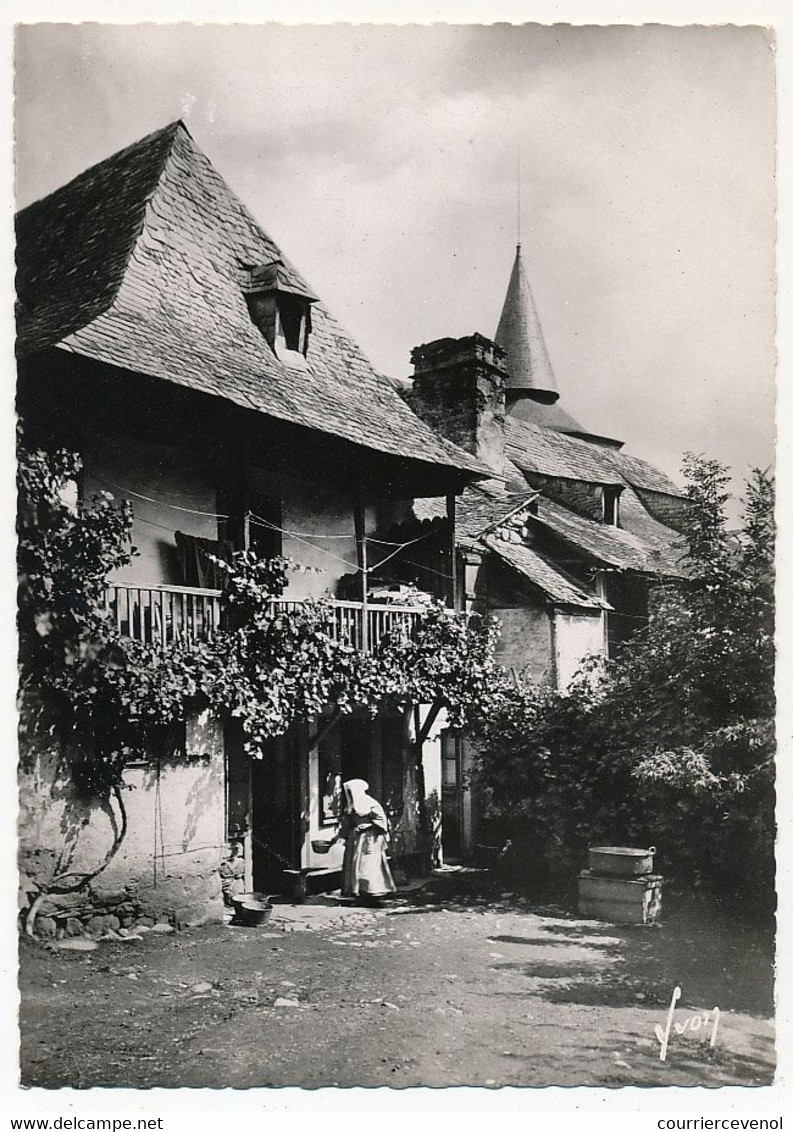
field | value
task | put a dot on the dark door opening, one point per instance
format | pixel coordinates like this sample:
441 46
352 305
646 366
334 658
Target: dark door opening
452 796
277 834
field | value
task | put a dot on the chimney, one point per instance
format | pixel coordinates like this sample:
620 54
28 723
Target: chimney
458 389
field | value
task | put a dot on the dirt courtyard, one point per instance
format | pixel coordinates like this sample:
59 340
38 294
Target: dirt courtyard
450 985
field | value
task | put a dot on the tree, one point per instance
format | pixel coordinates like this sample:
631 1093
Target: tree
671 743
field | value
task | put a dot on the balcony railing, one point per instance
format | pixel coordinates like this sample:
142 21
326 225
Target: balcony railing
380 620
164 615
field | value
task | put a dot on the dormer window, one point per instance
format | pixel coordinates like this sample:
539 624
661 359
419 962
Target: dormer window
611 505
280 306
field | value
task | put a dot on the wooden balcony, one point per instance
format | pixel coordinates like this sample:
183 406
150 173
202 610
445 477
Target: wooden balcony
165 615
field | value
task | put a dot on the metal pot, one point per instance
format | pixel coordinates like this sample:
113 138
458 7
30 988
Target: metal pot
617 860
251 909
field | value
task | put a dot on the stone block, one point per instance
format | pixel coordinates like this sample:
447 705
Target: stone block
66 904
46 927
110 897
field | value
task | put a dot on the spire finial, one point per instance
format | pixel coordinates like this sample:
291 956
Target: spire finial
518 197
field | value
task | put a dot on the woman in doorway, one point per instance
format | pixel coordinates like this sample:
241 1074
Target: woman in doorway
364 829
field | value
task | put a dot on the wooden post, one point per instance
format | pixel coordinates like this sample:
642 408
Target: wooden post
450 518
363 562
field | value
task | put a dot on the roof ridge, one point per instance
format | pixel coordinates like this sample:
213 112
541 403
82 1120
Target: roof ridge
75 244
118 155
136 263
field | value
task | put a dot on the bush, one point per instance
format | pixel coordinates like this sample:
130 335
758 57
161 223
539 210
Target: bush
672 743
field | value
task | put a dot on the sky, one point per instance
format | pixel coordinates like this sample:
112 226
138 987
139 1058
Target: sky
384 162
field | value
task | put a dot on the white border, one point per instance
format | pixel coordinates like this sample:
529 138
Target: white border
198 1109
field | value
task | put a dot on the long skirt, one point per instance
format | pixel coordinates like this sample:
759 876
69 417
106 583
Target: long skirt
365 870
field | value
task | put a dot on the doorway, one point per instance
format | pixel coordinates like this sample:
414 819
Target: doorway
452 796
276 805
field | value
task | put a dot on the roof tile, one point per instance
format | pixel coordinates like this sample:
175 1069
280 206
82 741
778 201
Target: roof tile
642 544
157 241
559 588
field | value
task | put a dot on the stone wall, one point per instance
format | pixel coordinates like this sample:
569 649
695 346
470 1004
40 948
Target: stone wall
526 642
458 389
167 865
584 499
578 635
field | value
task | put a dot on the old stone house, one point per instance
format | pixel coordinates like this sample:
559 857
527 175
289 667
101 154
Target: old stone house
164 337
565 542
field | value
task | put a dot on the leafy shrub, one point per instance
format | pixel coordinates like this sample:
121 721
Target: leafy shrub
672 743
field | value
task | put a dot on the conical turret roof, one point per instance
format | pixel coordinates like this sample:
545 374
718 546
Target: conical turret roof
519 332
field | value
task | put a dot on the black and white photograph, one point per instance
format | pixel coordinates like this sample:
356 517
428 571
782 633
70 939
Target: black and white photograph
395 452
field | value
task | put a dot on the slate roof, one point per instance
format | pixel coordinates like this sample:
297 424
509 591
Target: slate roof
544 452
559 588
140 262
548 453
74 245
519 333
480 507
649 547
638 473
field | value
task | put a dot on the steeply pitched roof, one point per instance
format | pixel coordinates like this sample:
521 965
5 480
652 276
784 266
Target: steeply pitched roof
651 549
638 473
73 246
519 333
141 261
559 588
545 452
553 416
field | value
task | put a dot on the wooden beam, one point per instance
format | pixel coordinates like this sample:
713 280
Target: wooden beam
451 512
363 560
434 711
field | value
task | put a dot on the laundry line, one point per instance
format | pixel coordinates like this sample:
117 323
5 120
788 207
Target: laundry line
257 519
303 535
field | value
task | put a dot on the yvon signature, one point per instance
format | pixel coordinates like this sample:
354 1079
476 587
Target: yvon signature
692 1024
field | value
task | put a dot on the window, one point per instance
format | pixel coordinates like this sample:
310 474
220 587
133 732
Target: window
279 304
331 795
450 763
611 505
294 317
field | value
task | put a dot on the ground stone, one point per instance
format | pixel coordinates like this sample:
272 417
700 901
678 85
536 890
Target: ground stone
46 927
74 926
161 929
78 943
